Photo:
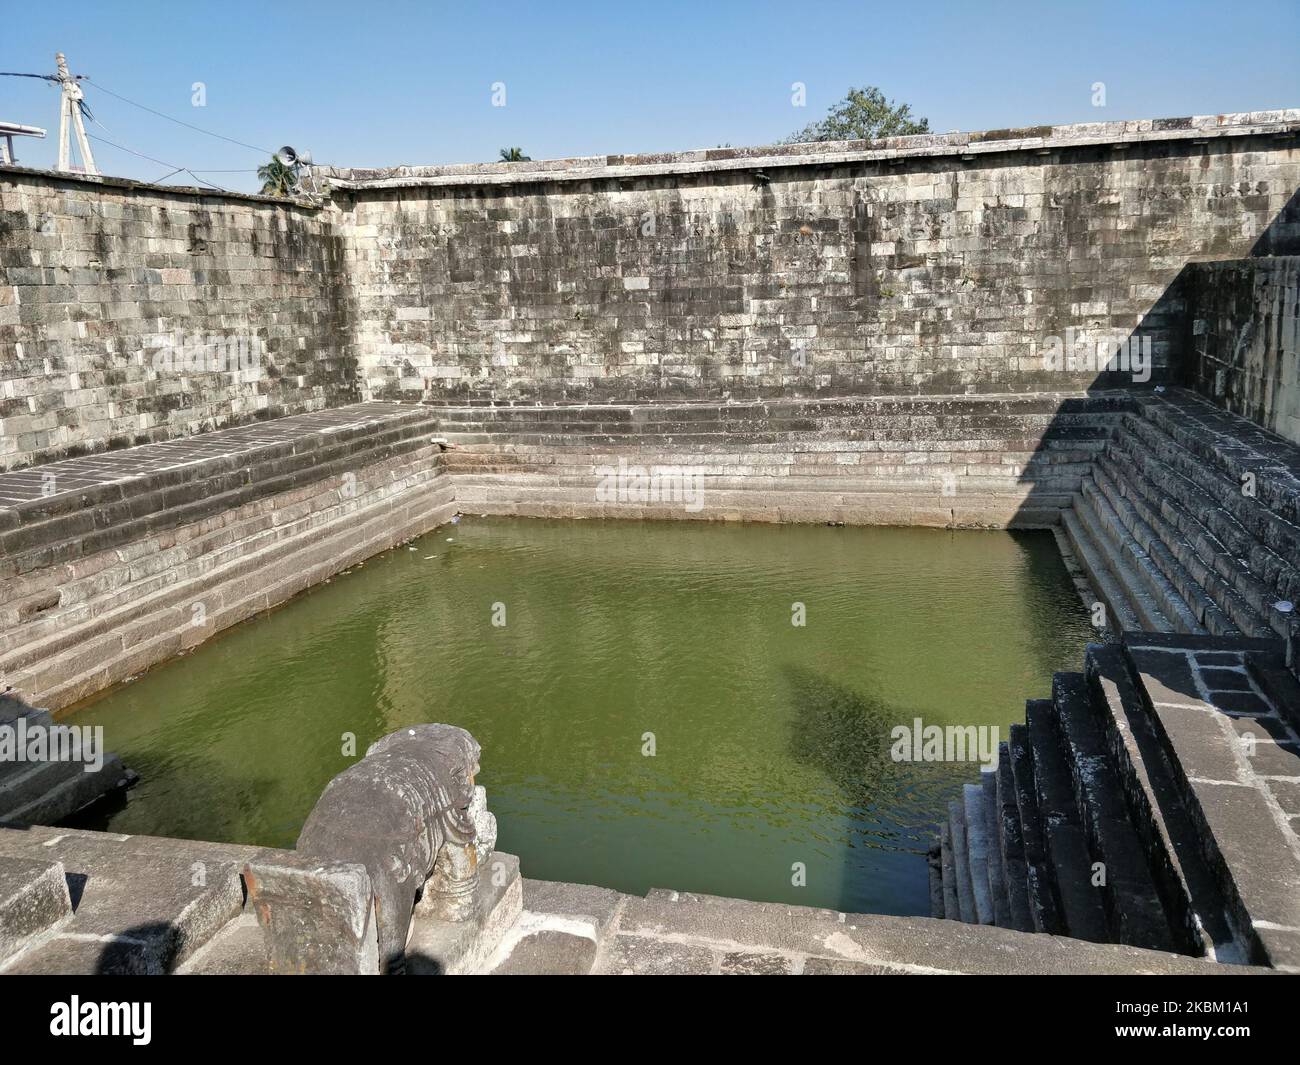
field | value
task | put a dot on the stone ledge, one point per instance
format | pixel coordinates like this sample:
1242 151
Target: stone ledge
803 939
717 160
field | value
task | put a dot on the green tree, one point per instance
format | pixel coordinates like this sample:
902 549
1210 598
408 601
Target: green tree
514 155
864 114
276 178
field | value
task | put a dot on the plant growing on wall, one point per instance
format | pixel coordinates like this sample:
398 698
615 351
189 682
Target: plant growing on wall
864 114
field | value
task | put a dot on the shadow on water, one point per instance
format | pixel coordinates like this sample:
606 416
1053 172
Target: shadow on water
842 734
846 736
201 790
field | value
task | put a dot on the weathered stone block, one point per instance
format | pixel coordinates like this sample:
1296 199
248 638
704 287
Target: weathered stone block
318 915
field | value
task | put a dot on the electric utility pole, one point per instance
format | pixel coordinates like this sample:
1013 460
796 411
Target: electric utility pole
70 121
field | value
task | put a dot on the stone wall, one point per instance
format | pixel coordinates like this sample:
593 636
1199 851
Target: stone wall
918 265
1244 343
129 313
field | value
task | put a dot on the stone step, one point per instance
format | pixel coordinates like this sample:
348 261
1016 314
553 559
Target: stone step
256 581
1011 844
1015 450
118 476
1235 534
1221 447
997 874
561 931
1040 883
1067 850
117 590
977 851
1133 907
238 948
122 591
68 537
12 708
1135 552
140 911
34 904
49 792
1165 545
776 428
1192 526
961 863
1119 555
934 867
948 871
1091 557
1191 899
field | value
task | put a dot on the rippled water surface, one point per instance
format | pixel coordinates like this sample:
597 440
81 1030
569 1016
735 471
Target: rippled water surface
771 741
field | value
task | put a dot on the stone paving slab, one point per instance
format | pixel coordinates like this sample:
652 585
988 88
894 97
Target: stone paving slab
1240 760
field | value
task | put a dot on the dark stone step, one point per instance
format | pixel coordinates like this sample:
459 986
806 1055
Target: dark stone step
49 792
1261 542
1168 548
996 869
1190 896
1139 545
948 870
1067 849
1231 445
1220 555
1134 911
1120 615
1123 559
961 862
934 865
977 851
1011 844
69 537
1040 887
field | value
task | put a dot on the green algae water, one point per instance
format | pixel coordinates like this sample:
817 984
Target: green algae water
650 713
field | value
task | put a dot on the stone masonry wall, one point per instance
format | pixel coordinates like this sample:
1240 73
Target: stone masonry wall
99 281
917 265
935 267
1244 342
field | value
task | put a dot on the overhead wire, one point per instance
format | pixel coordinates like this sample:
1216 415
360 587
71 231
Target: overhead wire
153 111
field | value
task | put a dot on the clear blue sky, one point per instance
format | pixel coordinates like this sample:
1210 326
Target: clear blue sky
381 83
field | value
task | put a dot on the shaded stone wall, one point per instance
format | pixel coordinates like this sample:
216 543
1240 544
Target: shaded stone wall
100 282
931 272
1244 338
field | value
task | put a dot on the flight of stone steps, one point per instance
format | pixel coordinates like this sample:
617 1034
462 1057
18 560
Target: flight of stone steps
48 790
1189 521
909 460
100 576
1140 805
